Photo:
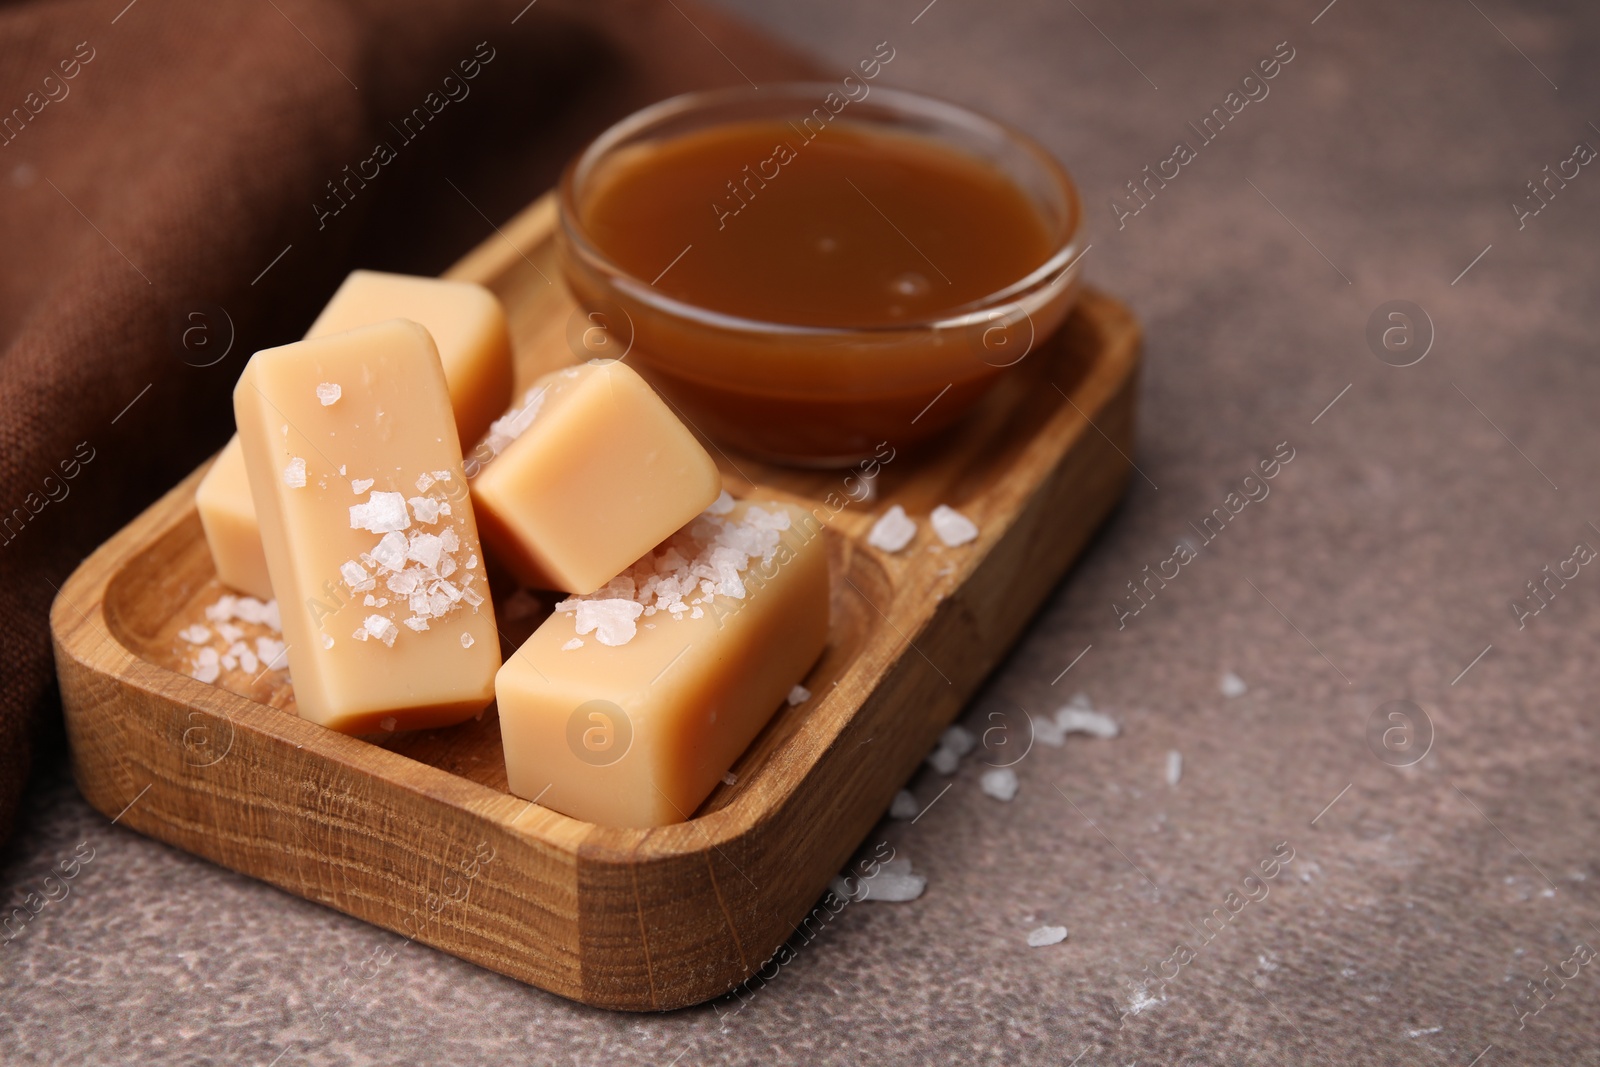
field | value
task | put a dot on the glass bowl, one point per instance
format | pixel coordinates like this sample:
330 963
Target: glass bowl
813 395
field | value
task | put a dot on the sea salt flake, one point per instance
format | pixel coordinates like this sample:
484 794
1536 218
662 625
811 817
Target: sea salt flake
958 739
424 482
1047 731
361 485
1000 783
904 805
893 530
381 628
392 550
294 473
944 761
893 882
382 513
798 695
611 621
576 642
425 548
1046 935
425 508
353 573
328 393
1074 720
952 527
417 623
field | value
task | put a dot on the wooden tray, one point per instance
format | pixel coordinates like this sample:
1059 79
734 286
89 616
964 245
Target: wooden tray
418 834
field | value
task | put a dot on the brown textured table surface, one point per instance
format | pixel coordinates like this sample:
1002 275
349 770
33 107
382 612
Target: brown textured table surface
1423 895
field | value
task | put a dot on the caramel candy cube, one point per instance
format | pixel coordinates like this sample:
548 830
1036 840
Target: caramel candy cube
589 473
626 707
468 327
355 470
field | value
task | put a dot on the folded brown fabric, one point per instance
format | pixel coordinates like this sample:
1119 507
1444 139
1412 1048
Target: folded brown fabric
172 172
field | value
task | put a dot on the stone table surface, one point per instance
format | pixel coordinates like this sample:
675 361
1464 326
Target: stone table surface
1426 890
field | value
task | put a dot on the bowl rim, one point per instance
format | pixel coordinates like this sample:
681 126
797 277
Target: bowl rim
1057 267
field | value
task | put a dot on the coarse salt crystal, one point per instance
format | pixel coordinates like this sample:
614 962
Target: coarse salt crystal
1174 767
328 393
720 506
425 548
467 641
730 779
893 530
382 513
958 739
389 723
1047 731
425 508
391 551
944 761
361 485
611 621
1046 935
576 642
904 806
1078 721
1000 783
327 640
952 527
294 473
229 632
248 661
894 882
195 635
1233 686
271 652
206 672
381 628
798 695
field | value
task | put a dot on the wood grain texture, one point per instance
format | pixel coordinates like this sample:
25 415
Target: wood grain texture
416 833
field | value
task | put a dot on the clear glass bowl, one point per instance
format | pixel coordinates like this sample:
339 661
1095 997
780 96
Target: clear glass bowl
810 395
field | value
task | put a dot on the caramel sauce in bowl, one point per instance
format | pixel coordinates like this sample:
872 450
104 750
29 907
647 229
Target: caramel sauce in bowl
806 274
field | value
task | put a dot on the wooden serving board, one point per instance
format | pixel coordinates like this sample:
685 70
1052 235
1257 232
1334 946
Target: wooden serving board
418 834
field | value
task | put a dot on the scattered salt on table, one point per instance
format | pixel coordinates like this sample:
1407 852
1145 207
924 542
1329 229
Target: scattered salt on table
1046 935
1174 767
943 760
905 805
1000 783
958 739
1078 721
798 695
1233 686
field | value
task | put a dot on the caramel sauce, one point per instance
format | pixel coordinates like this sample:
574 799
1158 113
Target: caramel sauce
852 228
823 260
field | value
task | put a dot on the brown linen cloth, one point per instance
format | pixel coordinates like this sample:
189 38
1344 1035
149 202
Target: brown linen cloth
165 170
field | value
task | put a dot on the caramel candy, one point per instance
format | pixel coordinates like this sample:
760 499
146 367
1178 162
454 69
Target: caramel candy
589 473
627 706
355 471
468 326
